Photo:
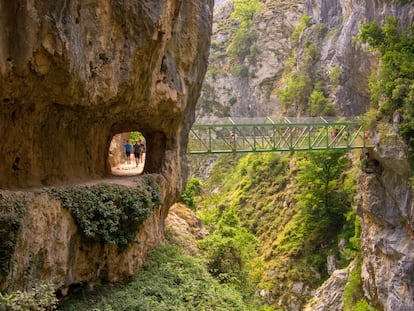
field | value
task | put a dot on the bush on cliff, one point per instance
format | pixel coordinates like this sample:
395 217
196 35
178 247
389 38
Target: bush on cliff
110 213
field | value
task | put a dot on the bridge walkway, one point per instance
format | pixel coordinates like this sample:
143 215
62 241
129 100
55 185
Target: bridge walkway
269 134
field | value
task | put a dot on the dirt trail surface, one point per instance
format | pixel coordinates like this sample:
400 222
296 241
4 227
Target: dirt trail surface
121 172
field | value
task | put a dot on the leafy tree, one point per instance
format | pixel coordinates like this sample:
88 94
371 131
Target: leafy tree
245 10
323 203
320 105
229 250
394 86
242 39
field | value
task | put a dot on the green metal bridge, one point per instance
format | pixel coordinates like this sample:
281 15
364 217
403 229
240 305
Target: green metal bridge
269 134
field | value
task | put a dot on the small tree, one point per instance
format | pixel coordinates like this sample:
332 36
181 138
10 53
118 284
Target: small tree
229 250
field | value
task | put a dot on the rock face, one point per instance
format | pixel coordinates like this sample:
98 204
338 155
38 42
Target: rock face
386 200
51 247
329 294
387 213
72 75
334 24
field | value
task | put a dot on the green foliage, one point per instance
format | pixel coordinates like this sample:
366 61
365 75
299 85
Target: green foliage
298 84
168 281
137 136
335 75
320 105
240 45
110 213
295 94
232 100
41 297
187 197
353 297
394 86
324 204
241 71
12 210
264 192
229 250
245 11
304 22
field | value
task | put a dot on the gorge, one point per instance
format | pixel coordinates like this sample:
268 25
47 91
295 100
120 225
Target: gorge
73 74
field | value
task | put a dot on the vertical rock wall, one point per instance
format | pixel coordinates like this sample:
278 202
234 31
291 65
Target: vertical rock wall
74 73
387 214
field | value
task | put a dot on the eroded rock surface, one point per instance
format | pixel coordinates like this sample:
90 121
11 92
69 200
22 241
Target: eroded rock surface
387 229
72 75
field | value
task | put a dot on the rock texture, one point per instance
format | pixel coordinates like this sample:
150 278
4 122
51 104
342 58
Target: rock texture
75 73
387 213
329 294
334 24
224 94
72 75
386 200
50 247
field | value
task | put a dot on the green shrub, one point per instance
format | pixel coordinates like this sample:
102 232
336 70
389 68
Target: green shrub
241 71
392 89
320 105
12 209
232 100
41 297
229 251
335 75
187 197
304 22
168 281
353 297
110 213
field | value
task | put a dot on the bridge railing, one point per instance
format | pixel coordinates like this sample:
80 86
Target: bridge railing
267 137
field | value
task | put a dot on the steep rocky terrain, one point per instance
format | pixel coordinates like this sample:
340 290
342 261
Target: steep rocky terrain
72 75
342 65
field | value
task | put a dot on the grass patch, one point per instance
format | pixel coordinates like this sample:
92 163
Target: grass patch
169 281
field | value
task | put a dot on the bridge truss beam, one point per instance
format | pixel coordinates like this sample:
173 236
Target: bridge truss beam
241 138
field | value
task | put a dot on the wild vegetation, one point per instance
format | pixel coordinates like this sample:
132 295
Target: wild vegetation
12 210
168 281
110 213
299 209
40 297
242 45
302 89
392 88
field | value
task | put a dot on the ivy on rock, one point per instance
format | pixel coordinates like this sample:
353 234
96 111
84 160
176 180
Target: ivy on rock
110 213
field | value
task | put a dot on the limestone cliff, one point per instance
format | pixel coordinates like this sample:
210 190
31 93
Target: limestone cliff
386 207
387 213
72 75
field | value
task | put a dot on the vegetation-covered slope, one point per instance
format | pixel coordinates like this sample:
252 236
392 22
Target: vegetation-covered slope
300 209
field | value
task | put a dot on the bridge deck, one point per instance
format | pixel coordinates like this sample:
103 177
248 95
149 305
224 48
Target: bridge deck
268 136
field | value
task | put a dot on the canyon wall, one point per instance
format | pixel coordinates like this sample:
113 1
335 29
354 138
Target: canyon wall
75 73
72 75
386 207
